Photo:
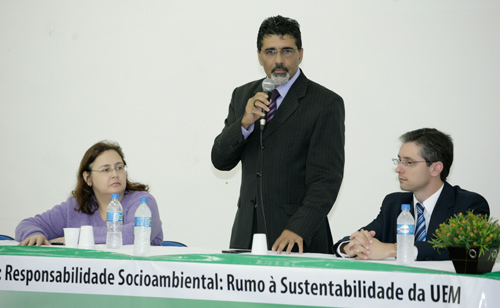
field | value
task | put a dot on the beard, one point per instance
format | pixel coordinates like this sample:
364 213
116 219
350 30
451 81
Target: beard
280 79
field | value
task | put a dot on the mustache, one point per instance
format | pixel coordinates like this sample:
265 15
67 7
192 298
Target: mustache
279 66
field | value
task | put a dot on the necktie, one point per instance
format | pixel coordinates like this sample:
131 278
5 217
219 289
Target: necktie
272 107
420 234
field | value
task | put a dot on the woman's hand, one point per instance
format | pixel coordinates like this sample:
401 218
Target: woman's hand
35 240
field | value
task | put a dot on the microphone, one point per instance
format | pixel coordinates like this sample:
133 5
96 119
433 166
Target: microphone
267 86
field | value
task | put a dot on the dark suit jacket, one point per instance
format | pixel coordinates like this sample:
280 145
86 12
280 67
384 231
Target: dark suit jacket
302 164
453 200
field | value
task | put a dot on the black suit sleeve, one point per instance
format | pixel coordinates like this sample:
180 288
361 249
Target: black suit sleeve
324 169
380 225
229 144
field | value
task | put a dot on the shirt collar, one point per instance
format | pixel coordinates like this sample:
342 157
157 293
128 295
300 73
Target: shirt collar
430 202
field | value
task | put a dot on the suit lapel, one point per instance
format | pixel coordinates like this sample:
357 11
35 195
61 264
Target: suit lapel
288 105
443 209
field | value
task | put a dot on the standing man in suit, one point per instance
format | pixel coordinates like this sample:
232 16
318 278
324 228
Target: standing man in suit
423 163
293 167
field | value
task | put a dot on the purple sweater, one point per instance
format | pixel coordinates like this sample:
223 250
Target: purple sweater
52 222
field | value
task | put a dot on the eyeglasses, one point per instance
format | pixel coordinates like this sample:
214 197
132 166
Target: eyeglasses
285 52
109 170
408 163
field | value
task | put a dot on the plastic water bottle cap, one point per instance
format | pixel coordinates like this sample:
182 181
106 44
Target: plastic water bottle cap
144 200
405 207
115 196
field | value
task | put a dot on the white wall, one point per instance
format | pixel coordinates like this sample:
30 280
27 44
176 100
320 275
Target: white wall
157 76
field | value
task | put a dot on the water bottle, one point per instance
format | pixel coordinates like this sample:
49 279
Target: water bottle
114 223
406 237
142 229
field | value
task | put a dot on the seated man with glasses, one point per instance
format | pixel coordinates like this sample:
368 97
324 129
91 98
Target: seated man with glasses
423 163
102 172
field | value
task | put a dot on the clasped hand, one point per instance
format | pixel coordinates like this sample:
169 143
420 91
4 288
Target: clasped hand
359 246
364 246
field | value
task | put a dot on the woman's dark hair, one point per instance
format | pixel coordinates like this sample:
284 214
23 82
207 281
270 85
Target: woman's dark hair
281 26
83 193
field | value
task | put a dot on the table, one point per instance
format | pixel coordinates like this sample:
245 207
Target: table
51 276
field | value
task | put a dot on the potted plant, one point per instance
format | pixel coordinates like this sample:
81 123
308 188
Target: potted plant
472 241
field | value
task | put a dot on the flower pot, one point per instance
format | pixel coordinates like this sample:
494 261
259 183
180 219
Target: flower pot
469 262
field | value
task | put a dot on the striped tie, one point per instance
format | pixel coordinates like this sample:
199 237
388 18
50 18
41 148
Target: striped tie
420 234
272 107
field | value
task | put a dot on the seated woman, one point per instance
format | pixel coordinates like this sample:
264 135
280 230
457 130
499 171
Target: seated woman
103 171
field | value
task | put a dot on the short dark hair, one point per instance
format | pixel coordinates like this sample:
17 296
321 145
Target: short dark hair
279 25
436 146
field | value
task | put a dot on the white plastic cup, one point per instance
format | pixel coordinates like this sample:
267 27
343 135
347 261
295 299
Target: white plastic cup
71 237
259 244
86 238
